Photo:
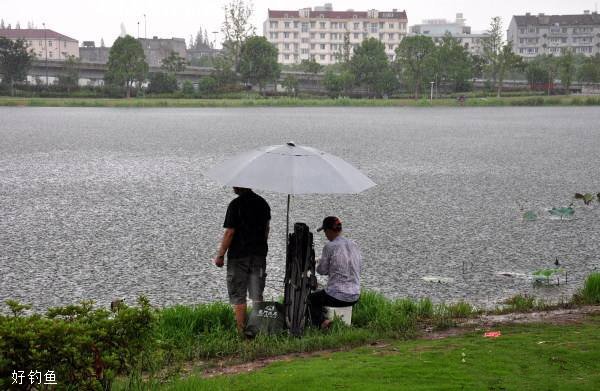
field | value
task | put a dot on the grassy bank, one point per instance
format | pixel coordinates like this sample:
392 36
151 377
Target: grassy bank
524 357
299 102
90 347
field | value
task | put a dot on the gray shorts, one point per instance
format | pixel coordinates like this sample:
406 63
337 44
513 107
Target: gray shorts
246 275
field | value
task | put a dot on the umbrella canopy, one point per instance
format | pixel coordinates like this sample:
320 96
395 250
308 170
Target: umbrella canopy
291 169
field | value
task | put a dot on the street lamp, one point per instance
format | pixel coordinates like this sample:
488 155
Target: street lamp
215 39
431 96
46 50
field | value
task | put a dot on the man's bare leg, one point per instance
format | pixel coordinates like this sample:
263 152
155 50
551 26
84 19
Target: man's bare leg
240 317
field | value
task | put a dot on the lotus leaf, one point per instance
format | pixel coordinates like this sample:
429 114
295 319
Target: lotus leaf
587 197
562 212
530 216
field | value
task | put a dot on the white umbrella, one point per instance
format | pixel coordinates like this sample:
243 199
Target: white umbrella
291 169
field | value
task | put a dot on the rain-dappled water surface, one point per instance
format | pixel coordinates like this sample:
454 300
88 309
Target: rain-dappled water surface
105 203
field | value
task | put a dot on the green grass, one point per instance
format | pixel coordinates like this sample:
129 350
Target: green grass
295 102
525 357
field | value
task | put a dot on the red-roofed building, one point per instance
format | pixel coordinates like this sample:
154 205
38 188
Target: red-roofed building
319 33
42 41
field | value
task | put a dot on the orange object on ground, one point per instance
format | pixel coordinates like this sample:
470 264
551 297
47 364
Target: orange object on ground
492 334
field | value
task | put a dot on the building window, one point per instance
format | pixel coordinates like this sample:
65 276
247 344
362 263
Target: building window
381 36
356 26
334 25
381 24
322 46
312 35
286 56
286 25
391 35
373 27
304 27
322 35
286 34
391 47
356 35
50 54
295 24
50 43
312 25
65 44
322 24
392 25
274 25
287 46
296 35
322 57
304 50
304 40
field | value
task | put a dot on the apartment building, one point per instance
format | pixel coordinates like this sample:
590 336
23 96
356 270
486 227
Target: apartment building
319 33
438 28
45 42
532 35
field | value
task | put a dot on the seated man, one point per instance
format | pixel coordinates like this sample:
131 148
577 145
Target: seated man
341 261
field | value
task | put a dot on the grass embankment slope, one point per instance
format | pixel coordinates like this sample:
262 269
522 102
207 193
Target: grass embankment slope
524 357
298 102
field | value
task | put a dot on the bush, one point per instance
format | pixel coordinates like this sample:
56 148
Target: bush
188 88
85 347
207 85
161 82
591 289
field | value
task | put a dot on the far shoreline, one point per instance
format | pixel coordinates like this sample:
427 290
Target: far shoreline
532 101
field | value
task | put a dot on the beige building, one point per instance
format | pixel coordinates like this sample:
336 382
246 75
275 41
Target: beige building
45 42
320 33
438 28
532 35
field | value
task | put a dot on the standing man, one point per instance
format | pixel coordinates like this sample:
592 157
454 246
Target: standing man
341 261
245 242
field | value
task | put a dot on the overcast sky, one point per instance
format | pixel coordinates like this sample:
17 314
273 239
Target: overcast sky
92 20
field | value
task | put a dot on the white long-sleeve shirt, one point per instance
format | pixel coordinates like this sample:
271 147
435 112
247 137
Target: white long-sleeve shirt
341 261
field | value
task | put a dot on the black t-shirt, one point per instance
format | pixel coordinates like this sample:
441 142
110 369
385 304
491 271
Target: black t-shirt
249 215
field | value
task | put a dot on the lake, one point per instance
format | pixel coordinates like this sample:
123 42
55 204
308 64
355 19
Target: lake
99 203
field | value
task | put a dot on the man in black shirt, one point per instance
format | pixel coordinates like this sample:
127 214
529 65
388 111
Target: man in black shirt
245 242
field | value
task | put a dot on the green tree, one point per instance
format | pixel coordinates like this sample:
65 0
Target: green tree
15 61
589 71
536 73
236 28
290 83
566 69
369 64
173 63
69 78
414 60
311 66
258 61
126 63
332 83
452 64
345 53
550 66
492 48
223 71
188 88
507 61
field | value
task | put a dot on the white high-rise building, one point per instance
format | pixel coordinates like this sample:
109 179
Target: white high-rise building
319 34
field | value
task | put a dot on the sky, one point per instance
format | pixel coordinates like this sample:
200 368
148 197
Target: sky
93 20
